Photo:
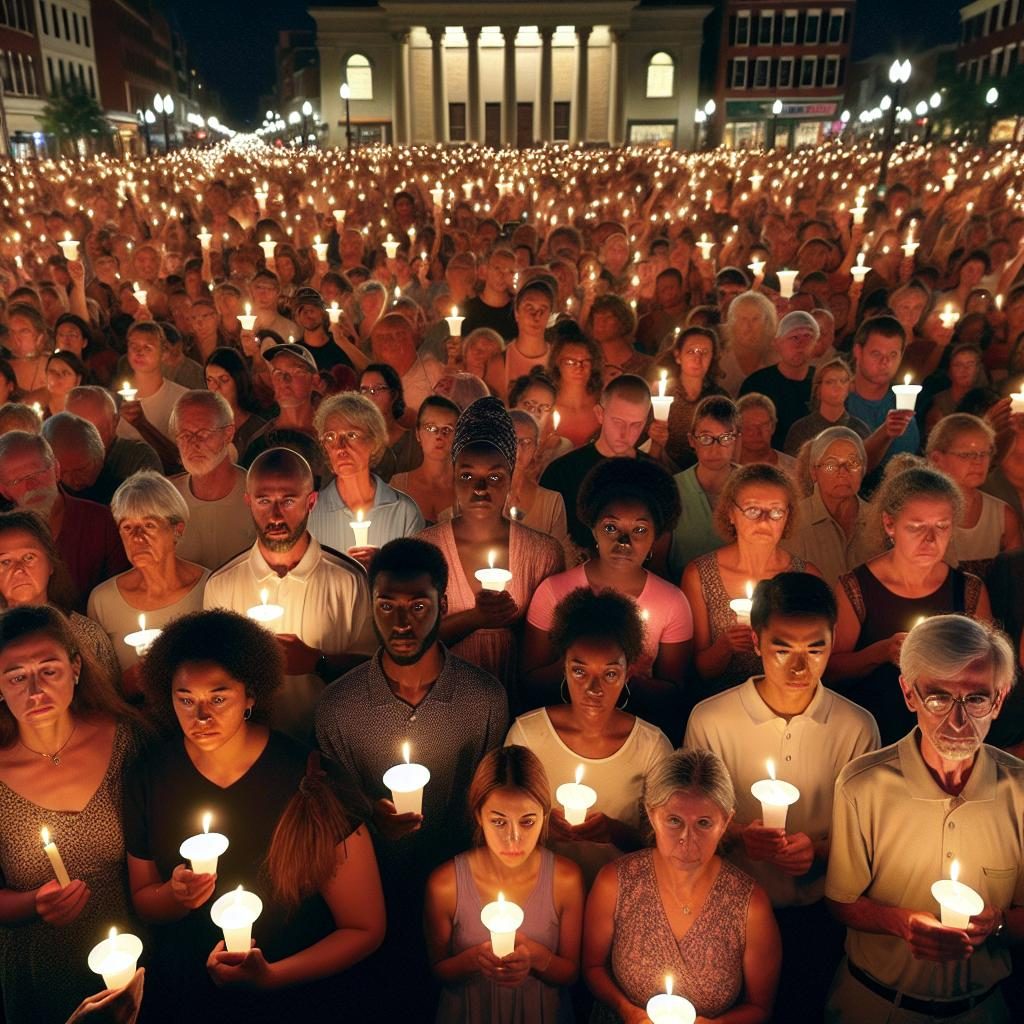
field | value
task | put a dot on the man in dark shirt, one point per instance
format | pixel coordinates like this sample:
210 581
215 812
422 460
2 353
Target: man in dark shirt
788 382
493 306
623 413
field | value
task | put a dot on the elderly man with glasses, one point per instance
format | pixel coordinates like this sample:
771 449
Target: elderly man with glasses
937 803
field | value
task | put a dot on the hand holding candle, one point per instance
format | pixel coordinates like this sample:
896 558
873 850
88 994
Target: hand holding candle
406 782
576 799
502 919
204 849
667 1008
906 394
264 612
741 606
491 578
234 913
143 639
116 958
958 903
776 797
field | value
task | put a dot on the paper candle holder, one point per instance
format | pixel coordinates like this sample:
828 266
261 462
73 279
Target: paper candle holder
115 958
407 782
502 919
776 798
576 799
235 913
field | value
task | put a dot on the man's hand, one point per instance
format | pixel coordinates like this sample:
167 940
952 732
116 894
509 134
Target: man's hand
393 825
897 421
300 659
763 843
658 433
930 940
133 413
797 855
982 925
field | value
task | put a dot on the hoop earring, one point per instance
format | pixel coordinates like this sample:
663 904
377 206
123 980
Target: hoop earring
248 714
76 680
563 691
626 690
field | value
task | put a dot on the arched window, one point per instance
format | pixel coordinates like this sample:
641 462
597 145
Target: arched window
660 75
359 76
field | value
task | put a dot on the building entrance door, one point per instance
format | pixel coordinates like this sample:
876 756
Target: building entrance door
524 125
492 125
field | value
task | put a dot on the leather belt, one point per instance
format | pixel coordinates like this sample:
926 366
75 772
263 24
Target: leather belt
929 1007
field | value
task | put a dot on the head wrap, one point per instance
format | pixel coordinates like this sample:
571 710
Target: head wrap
486 421
798 320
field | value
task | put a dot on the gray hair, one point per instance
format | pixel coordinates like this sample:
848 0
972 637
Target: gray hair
696 771
24 440
148 494
67 428
91 392
945 646
17 417
829 436
755 400
212 401
362 414
766 307
952 426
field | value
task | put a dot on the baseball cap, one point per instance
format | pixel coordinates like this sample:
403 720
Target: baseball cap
293 349
308 297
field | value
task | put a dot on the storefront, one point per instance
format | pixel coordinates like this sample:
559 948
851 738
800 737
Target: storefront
749 123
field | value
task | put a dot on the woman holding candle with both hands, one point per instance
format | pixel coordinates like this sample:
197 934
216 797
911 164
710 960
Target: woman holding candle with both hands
509 800
210 679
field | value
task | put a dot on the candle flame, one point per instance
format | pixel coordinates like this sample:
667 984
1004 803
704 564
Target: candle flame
491 555
455 310
317 240
501 897
906 379
954 871
579 773
142 622
44 832
750 590
771 769
405 751
113 934
359 515
668 984
126 385
264 595
556 419
266 238
207 818
248 309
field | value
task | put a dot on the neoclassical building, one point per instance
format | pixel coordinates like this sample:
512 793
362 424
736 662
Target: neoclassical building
510 72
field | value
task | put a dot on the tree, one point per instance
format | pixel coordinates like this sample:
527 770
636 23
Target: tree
71 115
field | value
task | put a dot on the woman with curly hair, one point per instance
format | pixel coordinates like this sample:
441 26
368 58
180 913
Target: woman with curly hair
210 680
914 514
628 505
575 365
596 639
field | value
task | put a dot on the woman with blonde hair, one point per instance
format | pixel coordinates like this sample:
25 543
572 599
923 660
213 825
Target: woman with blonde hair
509 801
750 326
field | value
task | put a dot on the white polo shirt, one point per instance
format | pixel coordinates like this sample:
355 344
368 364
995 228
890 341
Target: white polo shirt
809 751
326 604
895 831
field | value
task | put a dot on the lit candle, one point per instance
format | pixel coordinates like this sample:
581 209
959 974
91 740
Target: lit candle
705 247
69 246
115 958
143 639
949 316
949 180
910 246
556 418
437 194
37 409
204 849
661 404
127 392
139 293
906 394
467 189
491 578
320 248
775 797
248 318
406 782
958 903
577 799
1017 400
361 529
56 861
741 606
502 919
755 181
859 271
858 212
268 247
667 1008
339 218
999 302
756 267
455 323
787 278
264 612
391 248
204 239
234 913
261 199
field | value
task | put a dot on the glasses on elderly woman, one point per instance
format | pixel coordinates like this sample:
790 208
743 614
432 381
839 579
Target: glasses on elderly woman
973 455
755 513
977 705
341 438
835 465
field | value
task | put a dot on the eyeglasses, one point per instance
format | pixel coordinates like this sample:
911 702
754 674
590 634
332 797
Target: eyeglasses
755 513
342 439
434 430
28 477
697 353
371 390
973 455
287 376
197 436
835 465
707 440
536 408
977 705
571 364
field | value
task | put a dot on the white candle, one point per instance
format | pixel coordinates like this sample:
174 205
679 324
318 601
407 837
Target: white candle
787 278
234 913
576 799
667 1008
949 316
949 180
859 271
756 267
858 212
661 404
339 218
467 189
140 294
320 248
69 246
143 639
204 849
556 418
115 958
406 782
127 392
268 247
491 578
741 606
502 919
958 903
1017 400
455 323
264 612
910 246
705 247
204 239
361 529
56 861
261 199
248 318
906 394
775 797
391 248
755 181
437 194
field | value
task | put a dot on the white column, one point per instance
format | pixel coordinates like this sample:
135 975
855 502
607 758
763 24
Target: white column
580 112
400 95
437 84
617 106
509 98
474 132
545 130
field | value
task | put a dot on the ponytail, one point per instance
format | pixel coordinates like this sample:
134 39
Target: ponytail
302 858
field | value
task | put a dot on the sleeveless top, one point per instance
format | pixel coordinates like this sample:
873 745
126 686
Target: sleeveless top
706 963
43 970
973 549
742 664
477 1000
882 613
518 365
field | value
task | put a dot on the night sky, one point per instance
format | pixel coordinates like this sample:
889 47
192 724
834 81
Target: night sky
233 40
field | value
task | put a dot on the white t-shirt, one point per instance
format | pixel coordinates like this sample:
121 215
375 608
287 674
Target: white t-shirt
216 530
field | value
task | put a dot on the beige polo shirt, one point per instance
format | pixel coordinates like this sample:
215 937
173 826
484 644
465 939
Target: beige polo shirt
895 832
820 539
809 751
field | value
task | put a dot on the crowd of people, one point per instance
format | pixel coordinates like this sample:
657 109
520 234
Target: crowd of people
680 478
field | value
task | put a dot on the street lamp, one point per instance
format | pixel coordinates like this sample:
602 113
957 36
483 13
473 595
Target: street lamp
345 92
699 118
899 75
307 110
776 110
165 105
991 99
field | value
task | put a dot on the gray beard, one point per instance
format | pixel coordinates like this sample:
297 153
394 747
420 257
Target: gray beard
280 545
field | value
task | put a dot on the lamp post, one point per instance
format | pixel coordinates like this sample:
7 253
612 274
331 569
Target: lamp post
293 119
165 105
307 110
899 75
699 118
345 93
773 124
709 112
991 100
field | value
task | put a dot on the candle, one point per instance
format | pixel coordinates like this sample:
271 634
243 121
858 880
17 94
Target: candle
268 247
502 919
261 199
37 409
69 246
576 798
705 247
391 248
247 319
740 606
127 392
786 281
858 212
859 272
320 248
775 797
455 323
1017 400
56 861
906 394
958 903
467 189
406 782
949 316
143 639
361 529
661 404
264 612
204 848
139 293
949 180
334 313
491 578
556 418
756 267
910 246
339 219
115 958
755 181
999 303
667 1008
234 913
204 239
437 194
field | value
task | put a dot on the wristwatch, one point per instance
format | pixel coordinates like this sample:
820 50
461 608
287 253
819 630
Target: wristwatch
322 667
1000 930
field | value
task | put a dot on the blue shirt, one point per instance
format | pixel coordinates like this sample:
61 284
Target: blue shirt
394 514
873 413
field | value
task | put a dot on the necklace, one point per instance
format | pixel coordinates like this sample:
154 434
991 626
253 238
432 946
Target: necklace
55 756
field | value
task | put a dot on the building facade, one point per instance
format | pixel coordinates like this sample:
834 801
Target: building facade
797 53
510 72
991 39
22 85
66 45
